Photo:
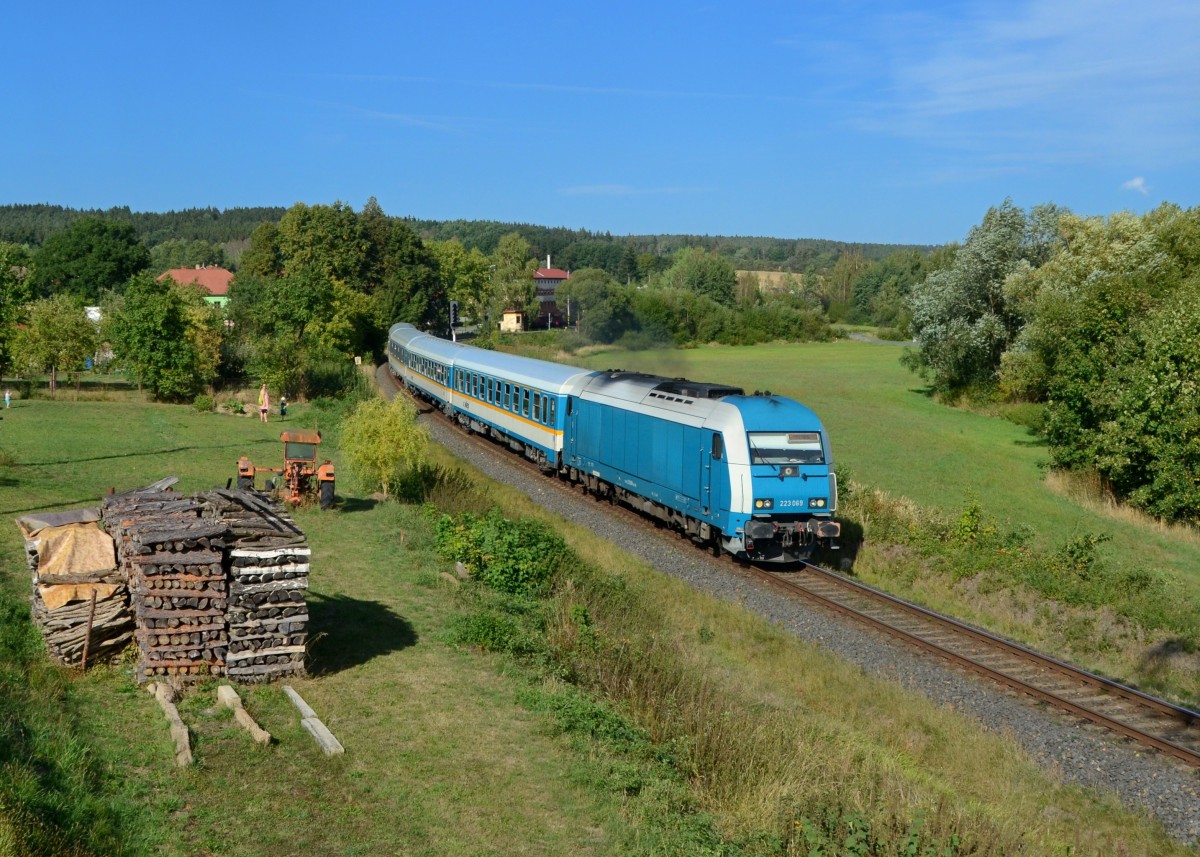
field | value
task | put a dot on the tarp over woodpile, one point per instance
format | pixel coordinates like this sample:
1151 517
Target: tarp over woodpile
68 552
80 599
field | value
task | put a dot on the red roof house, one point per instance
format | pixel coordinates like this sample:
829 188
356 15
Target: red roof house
212 278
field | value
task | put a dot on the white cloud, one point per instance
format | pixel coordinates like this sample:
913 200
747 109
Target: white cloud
1139 184
1081 81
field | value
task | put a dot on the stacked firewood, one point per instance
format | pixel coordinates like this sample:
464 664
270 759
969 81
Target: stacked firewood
174 559
268 575
80 599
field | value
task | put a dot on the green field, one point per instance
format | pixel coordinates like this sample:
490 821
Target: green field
442 757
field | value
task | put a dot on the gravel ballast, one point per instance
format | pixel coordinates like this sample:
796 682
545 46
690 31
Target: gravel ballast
1074 750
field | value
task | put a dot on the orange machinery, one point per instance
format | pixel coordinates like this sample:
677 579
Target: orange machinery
300 478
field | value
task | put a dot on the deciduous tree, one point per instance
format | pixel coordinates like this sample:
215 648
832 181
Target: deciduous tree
91 257
381 441
57 337
166 336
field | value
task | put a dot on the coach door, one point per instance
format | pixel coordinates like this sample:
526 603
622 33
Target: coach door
572 429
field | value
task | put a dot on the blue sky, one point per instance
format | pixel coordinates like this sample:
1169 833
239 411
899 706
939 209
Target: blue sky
855 121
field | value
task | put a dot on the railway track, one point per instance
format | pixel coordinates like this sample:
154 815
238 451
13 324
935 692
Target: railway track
1148 720
1153 722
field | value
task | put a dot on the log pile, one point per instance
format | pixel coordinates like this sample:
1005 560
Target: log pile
80 599
174 560
207 585
268 575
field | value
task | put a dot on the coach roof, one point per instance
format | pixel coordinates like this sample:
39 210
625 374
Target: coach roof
519 370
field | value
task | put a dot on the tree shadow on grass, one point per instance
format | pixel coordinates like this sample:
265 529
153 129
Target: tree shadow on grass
346 632
238 445
356 504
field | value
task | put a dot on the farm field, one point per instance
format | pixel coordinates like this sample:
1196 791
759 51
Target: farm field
441 759
891 435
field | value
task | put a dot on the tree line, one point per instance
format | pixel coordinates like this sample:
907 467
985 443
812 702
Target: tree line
323 284
1094 319
214 236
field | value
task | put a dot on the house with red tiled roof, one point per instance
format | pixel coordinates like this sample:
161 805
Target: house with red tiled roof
547 280
213 279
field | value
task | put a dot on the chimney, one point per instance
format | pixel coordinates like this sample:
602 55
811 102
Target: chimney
547 261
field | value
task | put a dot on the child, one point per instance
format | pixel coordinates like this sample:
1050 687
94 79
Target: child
282 408
7 398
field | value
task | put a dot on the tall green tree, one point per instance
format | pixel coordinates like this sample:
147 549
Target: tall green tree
57 337
465 275
704 273
181 253
91 257
1110 347
512 278
166 335
961 319
14 293
263 258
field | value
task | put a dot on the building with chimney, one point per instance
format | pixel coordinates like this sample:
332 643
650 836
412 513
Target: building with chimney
547 280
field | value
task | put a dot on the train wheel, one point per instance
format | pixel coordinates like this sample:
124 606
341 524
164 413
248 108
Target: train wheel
326 494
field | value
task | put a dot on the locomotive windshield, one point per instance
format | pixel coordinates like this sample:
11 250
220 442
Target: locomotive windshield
786 447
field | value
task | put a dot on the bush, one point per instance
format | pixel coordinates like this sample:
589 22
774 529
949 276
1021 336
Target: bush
236 406
203 403
519 557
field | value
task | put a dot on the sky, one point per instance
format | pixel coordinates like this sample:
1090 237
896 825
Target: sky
872 121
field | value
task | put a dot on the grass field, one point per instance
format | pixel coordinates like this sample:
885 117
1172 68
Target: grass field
441 758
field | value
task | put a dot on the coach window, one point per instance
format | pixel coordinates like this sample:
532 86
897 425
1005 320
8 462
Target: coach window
507 396
553 412
525 403
718 447
537 407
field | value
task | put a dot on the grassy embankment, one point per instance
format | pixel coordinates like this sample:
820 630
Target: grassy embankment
959 513
766 734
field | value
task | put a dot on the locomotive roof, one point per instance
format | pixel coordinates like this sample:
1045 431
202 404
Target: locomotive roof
774 413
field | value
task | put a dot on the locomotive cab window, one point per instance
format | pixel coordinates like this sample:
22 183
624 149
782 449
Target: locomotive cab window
786 447
718 447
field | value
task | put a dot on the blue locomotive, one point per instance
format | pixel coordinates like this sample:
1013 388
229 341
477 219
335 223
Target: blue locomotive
750 475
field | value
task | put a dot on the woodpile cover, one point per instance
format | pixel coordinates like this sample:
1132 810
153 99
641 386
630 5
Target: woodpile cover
80 600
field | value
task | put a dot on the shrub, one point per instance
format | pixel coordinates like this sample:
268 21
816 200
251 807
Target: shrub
520 557
236 406
203 403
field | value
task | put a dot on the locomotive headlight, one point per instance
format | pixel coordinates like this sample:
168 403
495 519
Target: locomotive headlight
764 504
817 502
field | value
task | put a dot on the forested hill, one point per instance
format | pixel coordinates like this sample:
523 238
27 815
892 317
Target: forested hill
569 248
33 224
580 248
